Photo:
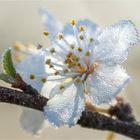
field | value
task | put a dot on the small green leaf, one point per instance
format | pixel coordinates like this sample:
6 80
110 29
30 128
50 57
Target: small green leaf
7 78
8 64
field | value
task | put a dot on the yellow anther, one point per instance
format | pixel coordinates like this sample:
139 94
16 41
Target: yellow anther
52 50
46 33
39 46
81 37
88 53
61 87
95 64
78 80
19 46
51 66
82 68
72 46
60 36
82 28
32 77
66 70
44 80
73 22
80 49
91 39
57 72
69 54
48 61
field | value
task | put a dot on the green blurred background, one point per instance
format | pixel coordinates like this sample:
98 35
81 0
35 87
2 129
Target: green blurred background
20 21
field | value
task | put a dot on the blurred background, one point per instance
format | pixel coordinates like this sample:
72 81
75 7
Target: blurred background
20 21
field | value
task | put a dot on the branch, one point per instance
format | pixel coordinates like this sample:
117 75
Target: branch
88 119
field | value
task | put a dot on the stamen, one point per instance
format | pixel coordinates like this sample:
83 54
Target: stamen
44 80
57 72
78 80
72 46
60 36
51 66
91 39
52 50
81 37
32 77
88 53
80 49
65 70
48 61
73 22
46 33
82 28
39 46
61 87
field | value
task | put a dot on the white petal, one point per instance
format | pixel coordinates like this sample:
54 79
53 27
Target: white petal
52 25
32 121
34 64
113 43
65 108
106 83
47 88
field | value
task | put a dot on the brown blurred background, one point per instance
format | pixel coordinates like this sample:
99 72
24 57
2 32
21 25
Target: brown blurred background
20 21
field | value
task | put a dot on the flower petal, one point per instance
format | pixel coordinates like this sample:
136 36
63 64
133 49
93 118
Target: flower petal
113 43
52 25
47 88
34 64
105 84
32 121
65 108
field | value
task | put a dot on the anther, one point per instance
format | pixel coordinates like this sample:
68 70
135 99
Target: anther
80 49
78 80
88 53
62 87
91 39
66 70
43 80
60 36
46 33
72 46
73 22
32 77
39 46
52 50
82 28
48 61
81 37
57 72
51 66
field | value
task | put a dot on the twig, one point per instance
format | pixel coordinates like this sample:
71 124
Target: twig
88 119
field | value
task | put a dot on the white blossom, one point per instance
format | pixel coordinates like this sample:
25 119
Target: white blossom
83 60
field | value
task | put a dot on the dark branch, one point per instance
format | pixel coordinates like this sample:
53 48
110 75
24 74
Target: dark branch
88 119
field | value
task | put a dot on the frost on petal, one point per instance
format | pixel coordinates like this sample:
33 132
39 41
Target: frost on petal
65 108
32 121
48 87
32 65
113 43
105 84
52 25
